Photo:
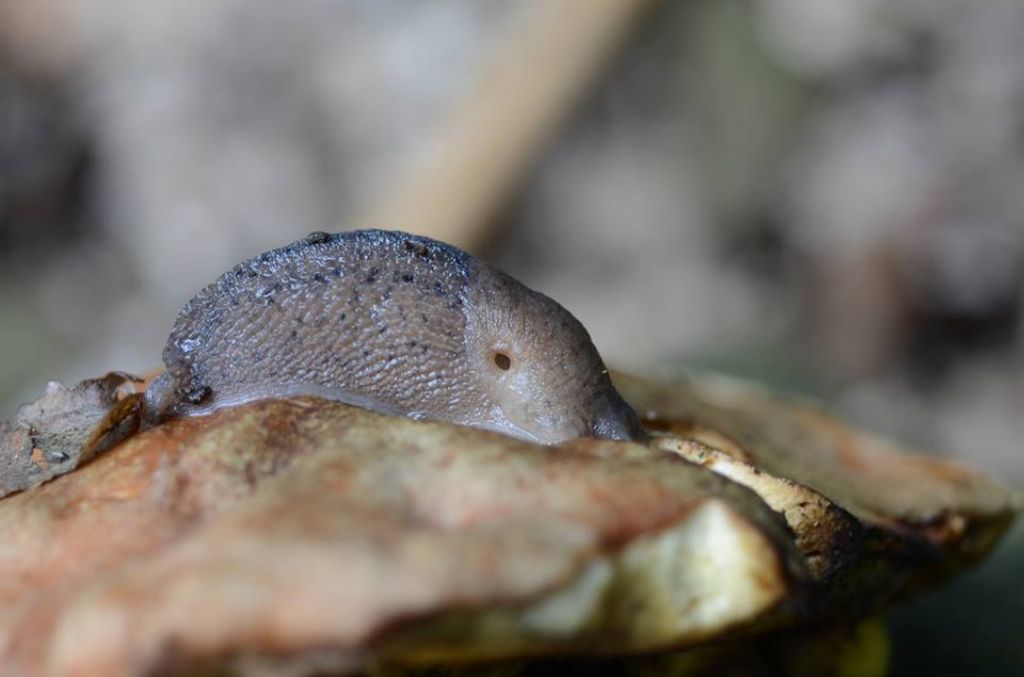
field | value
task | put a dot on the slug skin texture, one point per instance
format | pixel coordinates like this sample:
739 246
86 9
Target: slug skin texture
395 323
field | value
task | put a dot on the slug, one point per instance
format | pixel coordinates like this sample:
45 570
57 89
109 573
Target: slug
395 323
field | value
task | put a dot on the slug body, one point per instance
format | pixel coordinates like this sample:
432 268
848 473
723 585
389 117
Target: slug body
395 323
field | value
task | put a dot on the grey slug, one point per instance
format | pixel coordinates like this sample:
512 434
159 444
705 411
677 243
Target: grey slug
395 323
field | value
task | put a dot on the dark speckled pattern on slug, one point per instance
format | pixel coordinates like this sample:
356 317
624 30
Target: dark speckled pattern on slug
396 323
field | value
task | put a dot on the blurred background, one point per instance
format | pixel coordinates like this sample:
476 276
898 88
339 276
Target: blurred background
824 196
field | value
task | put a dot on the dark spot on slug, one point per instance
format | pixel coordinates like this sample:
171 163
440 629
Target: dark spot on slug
318 237
418 249
198 394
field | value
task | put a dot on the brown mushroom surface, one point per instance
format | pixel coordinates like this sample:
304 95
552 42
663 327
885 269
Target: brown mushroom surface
303 536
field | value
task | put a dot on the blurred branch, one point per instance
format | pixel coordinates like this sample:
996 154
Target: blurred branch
459 177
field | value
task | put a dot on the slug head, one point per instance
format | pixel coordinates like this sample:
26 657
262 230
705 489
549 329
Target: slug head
540 376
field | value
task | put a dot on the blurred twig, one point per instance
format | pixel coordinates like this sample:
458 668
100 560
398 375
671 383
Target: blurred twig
457 179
